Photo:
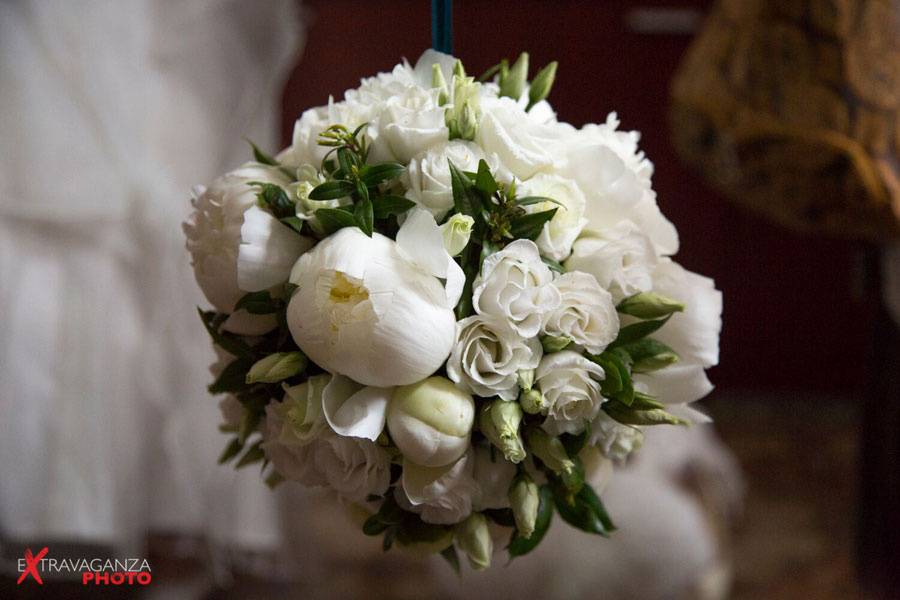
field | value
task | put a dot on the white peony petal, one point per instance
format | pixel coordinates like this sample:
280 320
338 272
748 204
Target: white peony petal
456 280
421 241
267 252
677 384
354 410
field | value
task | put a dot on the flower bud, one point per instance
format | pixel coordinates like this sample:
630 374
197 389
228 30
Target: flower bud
532 401
553 343
649 305
524 500
526 378
462 117
655 362
438 81
543 82
512 82
499 422
276 367
550 450
474 538
430 421
456 232
458 69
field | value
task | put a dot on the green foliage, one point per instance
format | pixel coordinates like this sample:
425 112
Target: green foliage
520 546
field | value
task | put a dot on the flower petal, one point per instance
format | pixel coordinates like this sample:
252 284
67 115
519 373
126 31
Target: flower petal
267 252
354 410
421 242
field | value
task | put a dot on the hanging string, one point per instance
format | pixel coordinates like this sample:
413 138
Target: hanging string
442 25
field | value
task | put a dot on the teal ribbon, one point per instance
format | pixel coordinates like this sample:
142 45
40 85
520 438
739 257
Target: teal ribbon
442 25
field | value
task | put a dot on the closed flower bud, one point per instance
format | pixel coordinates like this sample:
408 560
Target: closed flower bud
550 450
474 538
554 343
463 116
649 305
438 81
276 367
512 82
543 82
532 401
430 421
456 232
499 422
524 500
526 379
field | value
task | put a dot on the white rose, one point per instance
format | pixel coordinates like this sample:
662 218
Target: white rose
429 174
213 233
374 309
620 257
410 123
586 313
614 440
488 355
514 284
558 235
268 251
431 421
693 334
440 495
571 386
494 475
354 467
523 144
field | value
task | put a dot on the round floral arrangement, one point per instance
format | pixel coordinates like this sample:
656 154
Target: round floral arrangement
450 308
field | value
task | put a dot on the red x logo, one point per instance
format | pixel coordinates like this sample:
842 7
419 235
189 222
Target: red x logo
31 566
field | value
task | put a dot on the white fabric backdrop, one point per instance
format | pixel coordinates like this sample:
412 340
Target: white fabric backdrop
109 113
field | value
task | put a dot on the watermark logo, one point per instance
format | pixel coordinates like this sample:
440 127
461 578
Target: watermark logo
92 571
31 566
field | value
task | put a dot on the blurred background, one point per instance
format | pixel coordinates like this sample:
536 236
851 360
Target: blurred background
794 487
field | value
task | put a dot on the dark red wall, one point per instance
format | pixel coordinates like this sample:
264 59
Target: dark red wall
791 320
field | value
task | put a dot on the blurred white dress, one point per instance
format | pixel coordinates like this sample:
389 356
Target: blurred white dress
109 113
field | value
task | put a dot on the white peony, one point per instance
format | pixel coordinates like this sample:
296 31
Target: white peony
570 384
586 313
374 309
429 174
353 467
268 251
514 285
488 356
621 258
693 334
213 233
558 235
440 495
494 475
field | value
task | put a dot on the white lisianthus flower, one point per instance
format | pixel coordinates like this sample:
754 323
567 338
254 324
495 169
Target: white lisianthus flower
428 174
304 420
570 384
431 421
620 257
494 475
440 495
514 285
373 309
558 235
351 113
614 440
213 233
307 180
268 251
488 356
291 455
586 313
410 123
693 334
354 467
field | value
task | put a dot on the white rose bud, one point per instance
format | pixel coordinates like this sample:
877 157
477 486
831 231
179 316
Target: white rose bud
474 538
488 355
514 285
586 314
430 421
456 232
524 500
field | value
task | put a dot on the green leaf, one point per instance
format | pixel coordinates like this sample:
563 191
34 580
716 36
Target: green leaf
259 303
484 180
294 222
554 265
575 443
230 451
275 198
466 198
224 340
333 219
374 526
332 190
490 72
520 546
580 510
631 416
470 267
635 331
261 157
253 455
364 215
385 206
501 516
590 497
233 377
373 175
529 200
389 536
449 554
529 226
644 401
648 355
345 160
649 305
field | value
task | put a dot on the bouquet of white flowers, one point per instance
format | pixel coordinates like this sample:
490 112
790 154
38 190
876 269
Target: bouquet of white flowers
449 308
